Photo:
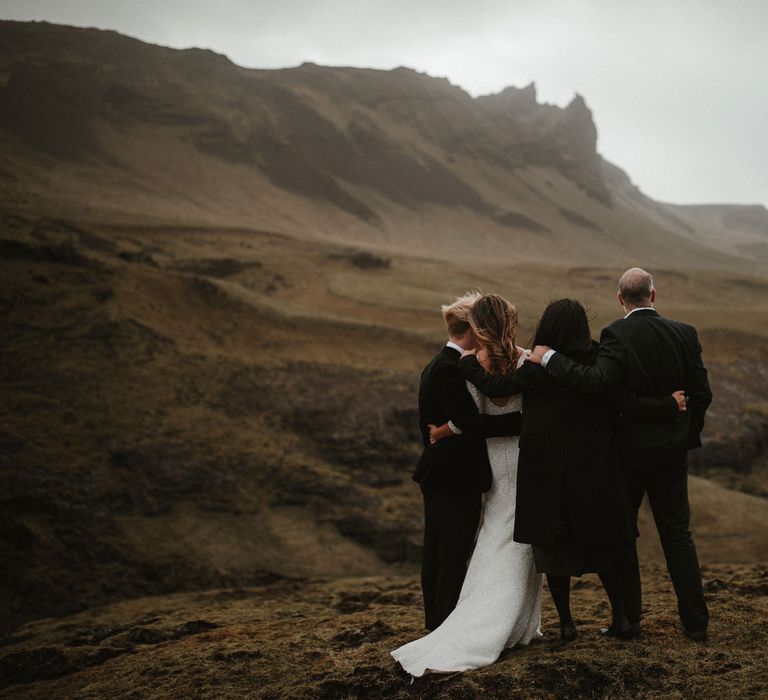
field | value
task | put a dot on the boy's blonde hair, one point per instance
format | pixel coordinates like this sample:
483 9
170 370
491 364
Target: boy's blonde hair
456 314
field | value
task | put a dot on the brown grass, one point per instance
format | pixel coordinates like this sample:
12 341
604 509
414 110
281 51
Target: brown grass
168 430
306 639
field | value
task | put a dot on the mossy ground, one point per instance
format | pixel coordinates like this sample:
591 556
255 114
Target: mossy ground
331 639
169 427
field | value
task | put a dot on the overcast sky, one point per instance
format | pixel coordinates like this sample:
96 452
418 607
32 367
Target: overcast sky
678 88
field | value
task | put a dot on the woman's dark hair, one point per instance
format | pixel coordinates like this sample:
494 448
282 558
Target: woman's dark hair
564 326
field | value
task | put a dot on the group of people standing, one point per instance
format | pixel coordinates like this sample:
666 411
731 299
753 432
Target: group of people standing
564 440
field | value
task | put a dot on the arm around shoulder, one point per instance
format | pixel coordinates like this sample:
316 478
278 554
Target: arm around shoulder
492 385
603 375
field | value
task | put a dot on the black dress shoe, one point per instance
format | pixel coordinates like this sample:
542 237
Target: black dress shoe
620 630
635 626
568 631
696 635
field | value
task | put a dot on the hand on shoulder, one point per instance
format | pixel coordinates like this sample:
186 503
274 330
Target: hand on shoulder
538 353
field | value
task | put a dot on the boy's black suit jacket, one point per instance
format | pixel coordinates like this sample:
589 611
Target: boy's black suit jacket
458 463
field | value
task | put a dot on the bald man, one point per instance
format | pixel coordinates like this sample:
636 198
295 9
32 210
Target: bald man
645 354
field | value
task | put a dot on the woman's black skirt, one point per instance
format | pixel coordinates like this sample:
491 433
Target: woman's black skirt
567 557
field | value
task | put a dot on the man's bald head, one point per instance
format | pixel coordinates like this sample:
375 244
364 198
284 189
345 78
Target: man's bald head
636 288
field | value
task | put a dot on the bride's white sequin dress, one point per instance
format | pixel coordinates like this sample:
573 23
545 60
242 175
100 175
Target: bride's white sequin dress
500 601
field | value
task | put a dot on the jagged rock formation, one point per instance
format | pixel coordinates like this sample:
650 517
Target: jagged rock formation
70 80
105 127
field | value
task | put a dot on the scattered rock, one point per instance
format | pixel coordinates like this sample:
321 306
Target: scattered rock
714 585
239 656
219 267
195 627
147 635
140 257
93 636
367 634
368 261
63 254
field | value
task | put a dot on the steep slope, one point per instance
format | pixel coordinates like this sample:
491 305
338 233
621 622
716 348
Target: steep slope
100 127
742 230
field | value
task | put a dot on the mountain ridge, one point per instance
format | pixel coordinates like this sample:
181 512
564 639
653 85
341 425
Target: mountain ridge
92 120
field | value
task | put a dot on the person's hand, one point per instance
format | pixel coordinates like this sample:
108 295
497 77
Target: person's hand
471 351
437 433
682 401
537 353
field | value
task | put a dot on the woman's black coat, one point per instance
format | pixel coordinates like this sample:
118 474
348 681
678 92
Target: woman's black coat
569 456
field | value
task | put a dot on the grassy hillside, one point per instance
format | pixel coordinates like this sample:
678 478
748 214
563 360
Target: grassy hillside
188 408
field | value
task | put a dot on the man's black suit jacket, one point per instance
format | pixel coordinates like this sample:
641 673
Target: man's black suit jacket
458 463
647 355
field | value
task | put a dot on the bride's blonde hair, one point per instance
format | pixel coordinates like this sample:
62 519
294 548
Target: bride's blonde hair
494 321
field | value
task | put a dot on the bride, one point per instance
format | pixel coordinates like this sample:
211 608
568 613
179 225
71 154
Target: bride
500 601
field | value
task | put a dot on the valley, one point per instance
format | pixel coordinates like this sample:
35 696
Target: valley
218 287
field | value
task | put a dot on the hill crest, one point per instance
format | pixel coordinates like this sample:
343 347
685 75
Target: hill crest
108 128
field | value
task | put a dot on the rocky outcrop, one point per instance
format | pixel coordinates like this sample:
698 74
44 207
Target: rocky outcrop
735 449
64 84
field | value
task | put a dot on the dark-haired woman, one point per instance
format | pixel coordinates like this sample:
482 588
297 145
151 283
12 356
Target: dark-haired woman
572 504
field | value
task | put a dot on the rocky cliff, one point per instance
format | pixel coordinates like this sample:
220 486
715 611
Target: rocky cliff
101 126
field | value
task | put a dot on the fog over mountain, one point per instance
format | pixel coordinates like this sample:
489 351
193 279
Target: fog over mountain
677 86
111 128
